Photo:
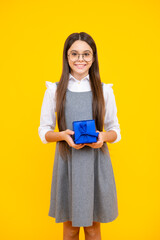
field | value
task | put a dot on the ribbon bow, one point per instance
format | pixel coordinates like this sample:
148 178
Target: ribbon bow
83 131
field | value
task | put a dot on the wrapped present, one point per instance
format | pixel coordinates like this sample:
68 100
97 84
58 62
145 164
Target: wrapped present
84 131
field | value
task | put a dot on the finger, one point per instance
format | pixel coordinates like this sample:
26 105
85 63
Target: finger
77 146
71 142
89 144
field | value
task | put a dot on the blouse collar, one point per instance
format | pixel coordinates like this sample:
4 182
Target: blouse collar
73 78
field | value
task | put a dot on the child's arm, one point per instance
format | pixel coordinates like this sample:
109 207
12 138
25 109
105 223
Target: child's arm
109 136
48 117
52 136
111 124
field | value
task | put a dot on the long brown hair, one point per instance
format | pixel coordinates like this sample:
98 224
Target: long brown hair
98 104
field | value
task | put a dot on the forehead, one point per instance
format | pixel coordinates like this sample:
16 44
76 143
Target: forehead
80 46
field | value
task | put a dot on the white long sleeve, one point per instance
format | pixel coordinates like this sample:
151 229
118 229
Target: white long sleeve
111 120
48 117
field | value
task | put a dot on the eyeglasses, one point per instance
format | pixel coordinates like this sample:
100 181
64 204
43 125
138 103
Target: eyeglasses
74 56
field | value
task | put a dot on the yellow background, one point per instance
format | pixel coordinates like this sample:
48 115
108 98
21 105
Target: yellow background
127 35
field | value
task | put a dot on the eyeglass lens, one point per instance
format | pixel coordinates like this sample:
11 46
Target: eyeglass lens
75 56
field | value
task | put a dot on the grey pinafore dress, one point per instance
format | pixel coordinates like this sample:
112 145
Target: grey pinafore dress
83 188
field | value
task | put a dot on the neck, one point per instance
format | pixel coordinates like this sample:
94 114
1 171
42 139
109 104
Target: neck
79 76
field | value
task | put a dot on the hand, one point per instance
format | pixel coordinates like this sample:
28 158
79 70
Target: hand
69 140
97 144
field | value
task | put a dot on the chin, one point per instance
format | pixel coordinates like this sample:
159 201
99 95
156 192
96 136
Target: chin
80 70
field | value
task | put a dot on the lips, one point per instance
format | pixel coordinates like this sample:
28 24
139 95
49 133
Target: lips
80 66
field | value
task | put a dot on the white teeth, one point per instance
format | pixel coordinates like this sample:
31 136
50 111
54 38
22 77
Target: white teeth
80 66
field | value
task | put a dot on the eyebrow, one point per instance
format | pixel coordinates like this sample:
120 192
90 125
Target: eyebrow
83 51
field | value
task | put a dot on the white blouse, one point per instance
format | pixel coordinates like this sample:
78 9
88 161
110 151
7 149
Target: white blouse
48 117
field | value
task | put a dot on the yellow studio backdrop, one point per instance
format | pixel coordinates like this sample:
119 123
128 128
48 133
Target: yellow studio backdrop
127 35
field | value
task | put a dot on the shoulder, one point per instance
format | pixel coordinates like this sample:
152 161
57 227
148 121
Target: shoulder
107 89
107 86
51 87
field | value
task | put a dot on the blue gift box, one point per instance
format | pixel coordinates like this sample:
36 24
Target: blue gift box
84 131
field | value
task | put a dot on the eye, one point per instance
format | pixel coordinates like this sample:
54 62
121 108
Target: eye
87 54
74 54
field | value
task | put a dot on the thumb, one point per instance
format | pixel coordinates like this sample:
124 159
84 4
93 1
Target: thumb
71 132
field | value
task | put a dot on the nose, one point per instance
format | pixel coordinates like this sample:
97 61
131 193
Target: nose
80 57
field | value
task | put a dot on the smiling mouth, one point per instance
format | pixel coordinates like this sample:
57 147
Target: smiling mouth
80 65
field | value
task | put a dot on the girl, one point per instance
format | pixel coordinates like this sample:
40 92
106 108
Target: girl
83 190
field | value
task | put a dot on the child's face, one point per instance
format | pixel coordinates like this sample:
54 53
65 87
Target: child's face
80 67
